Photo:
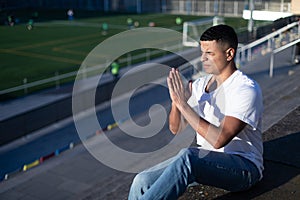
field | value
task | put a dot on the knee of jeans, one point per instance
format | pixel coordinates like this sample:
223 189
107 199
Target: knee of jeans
185 162
185 152
137 187
186 155
140 181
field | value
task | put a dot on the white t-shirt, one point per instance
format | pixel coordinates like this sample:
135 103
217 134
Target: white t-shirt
239 97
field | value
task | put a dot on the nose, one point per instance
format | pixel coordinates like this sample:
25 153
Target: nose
202 57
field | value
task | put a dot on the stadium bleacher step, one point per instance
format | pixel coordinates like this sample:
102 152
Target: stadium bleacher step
110 188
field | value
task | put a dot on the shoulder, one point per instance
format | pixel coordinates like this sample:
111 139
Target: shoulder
245 89
242 82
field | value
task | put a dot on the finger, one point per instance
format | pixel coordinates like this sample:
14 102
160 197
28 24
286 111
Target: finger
178 79
191 86
170 84
171 88
174 75
171 78
174 80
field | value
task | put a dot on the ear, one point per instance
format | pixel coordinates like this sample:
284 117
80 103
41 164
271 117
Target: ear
230 54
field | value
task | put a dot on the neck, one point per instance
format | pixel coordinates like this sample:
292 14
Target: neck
220 78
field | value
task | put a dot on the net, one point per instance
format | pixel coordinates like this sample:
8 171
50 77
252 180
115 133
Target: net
192 30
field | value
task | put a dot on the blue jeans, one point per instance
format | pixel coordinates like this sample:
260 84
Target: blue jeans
169 180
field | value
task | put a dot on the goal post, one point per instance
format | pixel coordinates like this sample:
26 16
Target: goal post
192 30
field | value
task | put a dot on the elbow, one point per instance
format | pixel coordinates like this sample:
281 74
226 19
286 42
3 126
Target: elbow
174 132
174 129
223 139
219 144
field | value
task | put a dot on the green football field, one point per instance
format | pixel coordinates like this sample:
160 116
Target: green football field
57 46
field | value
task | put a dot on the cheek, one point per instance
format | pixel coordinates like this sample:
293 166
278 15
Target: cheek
214 61
221 60
217 63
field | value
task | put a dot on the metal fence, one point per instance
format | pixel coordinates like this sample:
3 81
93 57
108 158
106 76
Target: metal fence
196 7
86 72
273 43
222 7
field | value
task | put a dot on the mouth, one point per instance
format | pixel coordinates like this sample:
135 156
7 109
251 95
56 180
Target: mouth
206 66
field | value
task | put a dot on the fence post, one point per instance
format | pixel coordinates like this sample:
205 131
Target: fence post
298 27
271 64
207 8
236 8
249 56
269 44
25 85
243 56
238 58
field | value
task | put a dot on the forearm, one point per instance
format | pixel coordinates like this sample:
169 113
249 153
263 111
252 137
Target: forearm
217 136
175 120
211 133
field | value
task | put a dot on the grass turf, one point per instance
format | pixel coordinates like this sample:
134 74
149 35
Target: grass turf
59 46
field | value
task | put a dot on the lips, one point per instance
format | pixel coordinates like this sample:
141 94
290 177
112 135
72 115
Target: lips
205 66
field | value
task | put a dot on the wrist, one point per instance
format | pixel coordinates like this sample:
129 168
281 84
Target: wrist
174 107
182 106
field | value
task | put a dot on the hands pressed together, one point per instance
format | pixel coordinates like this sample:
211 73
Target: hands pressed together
179 93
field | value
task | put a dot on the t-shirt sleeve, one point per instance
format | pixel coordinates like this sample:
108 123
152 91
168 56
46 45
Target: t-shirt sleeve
245 103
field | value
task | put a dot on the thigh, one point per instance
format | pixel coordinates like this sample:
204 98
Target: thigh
147 177
227 171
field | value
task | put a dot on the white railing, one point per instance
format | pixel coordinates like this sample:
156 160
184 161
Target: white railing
273 41
277 51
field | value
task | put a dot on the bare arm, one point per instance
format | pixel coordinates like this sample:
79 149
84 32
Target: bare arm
219 136
216 136
176 121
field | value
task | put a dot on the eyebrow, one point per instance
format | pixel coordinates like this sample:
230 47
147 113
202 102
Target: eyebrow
208 51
